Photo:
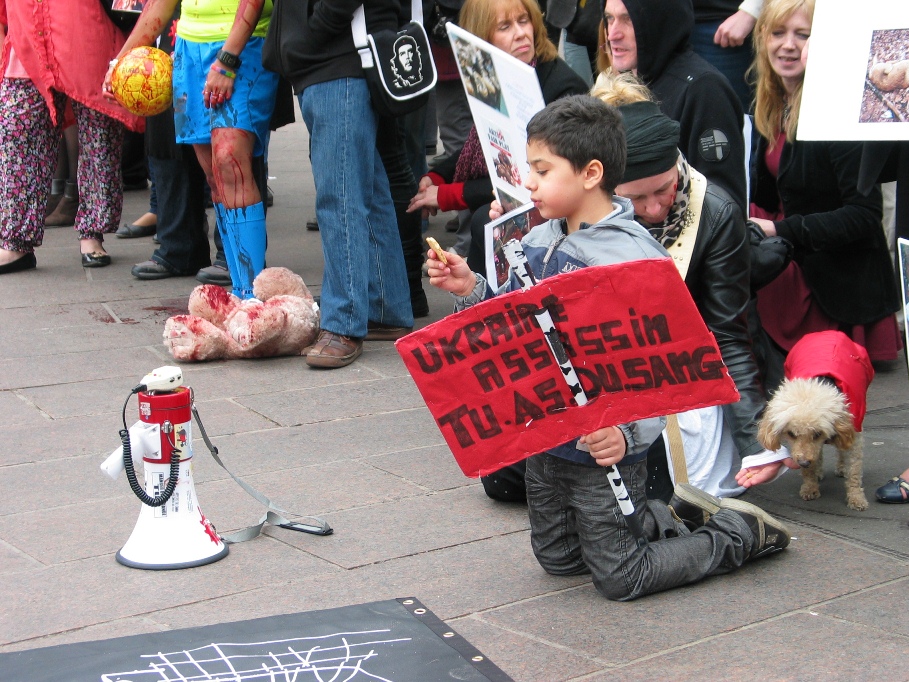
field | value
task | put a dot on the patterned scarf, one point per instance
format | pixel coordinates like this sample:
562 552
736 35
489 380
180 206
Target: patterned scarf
668 231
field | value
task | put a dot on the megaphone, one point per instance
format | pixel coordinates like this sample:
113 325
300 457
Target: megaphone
172 532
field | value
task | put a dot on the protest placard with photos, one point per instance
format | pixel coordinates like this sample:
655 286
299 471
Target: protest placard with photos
631 331
503 94
857 74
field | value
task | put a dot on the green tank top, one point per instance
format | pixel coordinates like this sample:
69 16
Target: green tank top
209 21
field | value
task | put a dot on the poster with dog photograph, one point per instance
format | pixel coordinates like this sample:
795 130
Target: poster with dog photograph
857 88
503 94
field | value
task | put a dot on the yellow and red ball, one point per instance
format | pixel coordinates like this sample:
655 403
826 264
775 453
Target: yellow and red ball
142 81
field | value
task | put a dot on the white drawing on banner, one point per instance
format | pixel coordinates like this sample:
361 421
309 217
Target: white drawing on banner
339 657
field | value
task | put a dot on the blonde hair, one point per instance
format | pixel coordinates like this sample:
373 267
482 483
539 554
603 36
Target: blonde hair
770 96
620 88
604 56
481 16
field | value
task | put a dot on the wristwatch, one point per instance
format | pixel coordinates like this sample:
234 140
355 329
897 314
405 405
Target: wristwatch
231 61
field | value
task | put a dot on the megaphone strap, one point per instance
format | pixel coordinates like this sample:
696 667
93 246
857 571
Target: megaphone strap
274 515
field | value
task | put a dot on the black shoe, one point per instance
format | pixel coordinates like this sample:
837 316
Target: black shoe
770 535
693 506
312 225
214 274
26 262
134 185
133 231
152 270
418 303
95 260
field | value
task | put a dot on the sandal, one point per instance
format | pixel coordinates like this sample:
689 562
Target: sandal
896 491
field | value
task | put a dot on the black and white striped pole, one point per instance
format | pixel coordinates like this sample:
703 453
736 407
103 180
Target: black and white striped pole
514 253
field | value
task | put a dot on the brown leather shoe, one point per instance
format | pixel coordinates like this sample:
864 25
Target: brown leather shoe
376 331
331 351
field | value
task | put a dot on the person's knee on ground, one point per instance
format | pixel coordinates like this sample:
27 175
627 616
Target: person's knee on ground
507 484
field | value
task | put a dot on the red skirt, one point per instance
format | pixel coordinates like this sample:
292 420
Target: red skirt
788 311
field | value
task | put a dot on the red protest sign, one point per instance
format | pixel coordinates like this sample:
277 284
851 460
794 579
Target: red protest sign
631 330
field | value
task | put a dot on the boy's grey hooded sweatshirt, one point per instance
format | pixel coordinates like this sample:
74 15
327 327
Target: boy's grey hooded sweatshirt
617 238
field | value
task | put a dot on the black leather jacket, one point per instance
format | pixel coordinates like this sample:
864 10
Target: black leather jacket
719 281
835 228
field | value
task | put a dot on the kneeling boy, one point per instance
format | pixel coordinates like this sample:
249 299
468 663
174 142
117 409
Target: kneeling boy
576 152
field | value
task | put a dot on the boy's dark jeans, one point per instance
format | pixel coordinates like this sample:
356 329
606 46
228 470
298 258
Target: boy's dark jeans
577 527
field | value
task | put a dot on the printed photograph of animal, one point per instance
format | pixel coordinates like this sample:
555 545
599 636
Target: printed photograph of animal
890 76
822 401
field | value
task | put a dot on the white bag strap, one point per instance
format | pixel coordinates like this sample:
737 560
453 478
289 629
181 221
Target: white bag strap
358 28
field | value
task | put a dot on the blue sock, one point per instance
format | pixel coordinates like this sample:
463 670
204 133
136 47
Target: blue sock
246 227
227 243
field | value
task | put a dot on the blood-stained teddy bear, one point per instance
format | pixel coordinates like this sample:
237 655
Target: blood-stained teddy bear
282 319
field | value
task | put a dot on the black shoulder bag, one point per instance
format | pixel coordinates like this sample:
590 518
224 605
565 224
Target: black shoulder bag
398 66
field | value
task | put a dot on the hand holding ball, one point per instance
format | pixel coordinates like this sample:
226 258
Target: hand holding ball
142 81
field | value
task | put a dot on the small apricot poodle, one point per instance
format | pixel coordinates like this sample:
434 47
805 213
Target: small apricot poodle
822 401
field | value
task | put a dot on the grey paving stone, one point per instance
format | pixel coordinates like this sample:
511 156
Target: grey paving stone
20 412
324 490
59 439
98 590
123 627
383 359
87 398
62 368
452 582
796 647
233 378
72 530
521 658
66 481
398 528
98 330
432 467
878 607
40 316
227 416
760 590
881 527
12 560
316 444
343 401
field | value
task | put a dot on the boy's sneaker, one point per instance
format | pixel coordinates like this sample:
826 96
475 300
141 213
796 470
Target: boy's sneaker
770 535
693 506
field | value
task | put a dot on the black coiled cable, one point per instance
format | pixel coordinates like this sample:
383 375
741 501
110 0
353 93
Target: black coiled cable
145 498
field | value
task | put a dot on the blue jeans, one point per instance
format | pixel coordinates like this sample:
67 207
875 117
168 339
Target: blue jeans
364 276
180 187
576 527
732 62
